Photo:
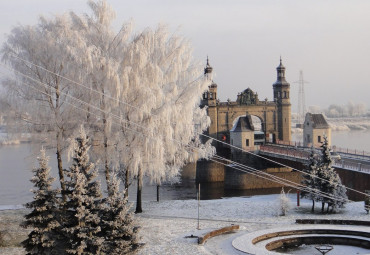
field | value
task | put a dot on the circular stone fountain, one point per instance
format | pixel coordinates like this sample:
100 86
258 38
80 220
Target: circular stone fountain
269 241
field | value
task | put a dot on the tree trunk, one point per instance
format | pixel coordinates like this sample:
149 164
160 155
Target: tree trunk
60 166
322 207
105 143
127 176
158 193
313 206
139 189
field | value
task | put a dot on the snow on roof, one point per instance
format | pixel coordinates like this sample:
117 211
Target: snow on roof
243 124
317 120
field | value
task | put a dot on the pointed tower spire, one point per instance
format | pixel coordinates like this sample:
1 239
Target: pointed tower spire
280 72
208 70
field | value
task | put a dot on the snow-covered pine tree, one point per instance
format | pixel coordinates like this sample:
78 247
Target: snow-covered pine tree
310 180
330 182
43 217
118 227
81 210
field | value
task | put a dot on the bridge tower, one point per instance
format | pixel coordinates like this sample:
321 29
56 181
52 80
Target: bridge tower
281 90
210 99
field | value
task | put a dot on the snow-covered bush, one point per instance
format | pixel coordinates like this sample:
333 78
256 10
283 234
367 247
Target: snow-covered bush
284 203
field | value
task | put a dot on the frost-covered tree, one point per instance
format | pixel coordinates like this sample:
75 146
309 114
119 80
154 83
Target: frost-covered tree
310 180
149 80
80 219
105 50
118 227
39 56
162 90
42 219
330 182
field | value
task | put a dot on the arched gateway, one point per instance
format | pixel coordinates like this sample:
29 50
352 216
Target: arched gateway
275 115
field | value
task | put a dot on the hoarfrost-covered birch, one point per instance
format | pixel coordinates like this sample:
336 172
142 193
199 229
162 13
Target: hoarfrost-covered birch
105 51
39 56
162 91
149 80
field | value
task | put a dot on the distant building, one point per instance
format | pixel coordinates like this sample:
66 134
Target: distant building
242 133
275 115
315 127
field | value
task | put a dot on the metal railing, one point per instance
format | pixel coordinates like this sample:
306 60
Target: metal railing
302 154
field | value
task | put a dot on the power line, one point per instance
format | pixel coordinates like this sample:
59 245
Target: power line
231 146
276 179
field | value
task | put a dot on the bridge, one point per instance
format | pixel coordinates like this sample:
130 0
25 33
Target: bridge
343 159
353 167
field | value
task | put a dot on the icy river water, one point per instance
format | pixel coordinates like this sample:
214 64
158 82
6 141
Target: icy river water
16 162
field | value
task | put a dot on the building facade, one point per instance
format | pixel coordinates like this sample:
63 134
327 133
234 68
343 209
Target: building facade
275 115
315 127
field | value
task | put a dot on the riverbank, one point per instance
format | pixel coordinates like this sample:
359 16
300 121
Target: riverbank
166 225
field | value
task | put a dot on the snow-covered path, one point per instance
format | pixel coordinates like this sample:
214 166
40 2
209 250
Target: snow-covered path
165 225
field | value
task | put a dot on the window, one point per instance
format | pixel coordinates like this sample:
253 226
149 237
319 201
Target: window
210 95
247 142
319 139
285 94
308 138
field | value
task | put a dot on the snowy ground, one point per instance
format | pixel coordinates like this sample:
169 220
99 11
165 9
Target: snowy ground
165 225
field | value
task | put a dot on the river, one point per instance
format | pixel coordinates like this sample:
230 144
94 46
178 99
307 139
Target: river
353 140
17 161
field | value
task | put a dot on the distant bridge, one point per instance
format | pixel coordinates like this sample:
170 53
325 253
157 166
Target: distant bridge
347 160
353 168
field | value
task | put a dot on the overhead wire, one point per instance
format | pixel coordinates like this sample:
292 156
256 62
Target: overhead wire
81 101
209 137
216 158
240 166
201 134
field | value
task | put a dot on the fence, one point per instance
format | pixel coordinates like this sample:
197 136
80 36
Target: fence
349 151
286 152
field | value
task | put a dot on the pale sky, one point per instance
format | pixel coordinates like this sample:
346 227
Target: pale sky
328 39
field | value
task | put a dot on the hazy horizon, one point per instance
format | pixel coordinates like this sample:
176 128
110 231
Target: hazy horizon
328 40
